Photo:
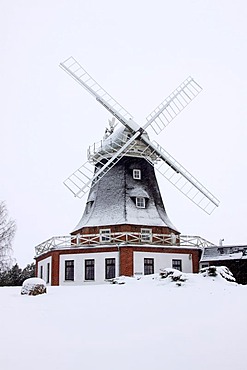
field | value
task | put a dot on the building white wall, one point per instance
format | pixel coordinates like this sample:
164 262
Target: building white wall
161 260
44 264
79 267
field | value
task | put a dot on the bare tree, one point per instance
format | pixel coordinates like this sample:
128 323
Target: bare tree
7 233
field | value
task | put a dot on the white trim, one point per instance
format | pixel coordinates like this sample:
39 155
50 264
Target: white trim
136 174
178 261
105 235
82 241
41 272
146 235
140 202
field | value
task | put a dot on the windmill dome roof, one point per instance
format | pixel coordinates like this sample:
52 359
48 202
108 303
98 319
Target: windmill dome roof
111 144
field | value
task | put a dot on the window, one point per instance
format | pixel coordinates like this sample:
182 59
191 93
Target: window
89 269
177 264
140 202
41 272
89 206
69 270
48 273
146 235
105 235
148 266
110 264
137 174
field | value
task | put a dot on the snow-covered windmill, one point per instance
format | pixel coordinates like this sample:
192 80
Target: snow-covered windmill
132 140
124 229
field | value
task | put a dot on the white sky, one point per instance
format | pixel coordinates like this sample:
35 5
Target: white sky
139 51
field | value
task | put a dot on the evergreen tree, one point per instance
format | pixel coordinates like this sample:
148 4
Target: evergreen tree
15 276
28 271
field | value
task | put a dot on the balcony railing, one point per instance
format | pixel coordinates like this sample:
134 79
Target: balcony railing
120 239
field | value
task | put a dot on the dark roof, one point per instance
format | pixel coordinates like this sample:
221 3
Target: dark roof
112 198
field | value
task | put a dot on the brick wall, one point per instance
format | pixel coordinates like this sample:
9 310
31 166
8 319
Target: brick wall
125 228
126 262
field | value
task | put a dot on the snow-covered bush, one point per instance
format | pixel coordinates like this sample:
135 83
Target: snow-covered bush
33 286
173 275
123 280
221 271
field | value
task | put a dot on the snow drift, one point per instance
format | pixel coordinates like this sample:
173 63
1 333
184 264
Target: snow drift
147 323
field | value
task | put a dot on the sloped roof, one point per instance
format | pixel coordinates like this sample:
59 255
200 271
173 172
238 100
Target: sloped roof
138 191
113 201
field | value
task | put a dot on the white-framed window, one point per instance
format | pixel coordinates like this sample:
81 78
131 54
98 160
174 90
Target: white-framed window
146 235
89 269
105 235
48 273
41 272
137 174
110 268
148 266
140 202
177 264
69 270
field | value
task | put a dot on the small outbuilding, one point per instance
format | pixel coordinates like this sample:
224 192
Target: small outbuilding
234 257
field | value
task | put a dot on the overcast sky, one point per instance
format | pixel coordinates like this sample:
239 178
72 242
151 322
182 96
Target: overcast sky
139 51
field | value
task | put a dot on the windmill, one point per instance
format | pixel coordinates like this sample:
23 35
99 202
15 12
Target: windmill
124 229
132 140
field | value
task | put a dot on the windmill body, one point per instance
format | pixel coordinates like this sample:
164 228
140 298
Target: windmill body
114 199
124 229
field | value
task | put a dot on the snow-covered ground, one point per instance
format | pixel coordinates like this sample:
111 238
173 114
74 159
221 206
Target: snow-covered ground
142 324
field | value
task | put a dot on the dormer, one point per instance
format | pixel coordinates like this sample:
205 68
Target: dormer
140 197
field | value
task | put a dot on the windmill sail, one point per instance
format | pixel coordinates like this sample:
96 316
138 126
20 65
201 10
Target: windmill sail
83 178
173 105
78 73
182 179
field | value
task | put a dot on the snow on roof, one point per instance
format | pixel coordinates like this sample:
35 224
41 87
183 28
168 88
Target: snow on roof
111 143
221 253
114 195
138 192
91 197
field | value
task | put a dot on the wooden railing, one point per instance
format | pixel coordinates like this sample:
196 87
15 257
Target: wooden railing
119 239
